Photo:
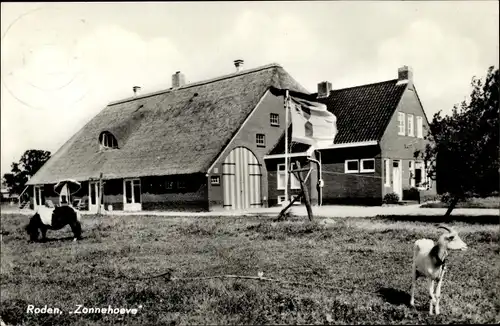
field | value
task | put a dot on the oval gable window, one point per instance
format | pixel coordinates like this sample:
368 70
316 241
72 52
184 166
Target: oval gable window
107 140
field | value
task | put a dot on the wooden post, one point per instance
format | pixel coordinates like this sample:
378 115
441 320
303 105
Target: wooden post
305 192
282 216
99 198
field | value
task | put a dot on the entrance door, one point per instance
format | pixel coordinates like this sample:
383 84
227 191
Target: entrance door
241 180
94 196
397 184
132 195
64 196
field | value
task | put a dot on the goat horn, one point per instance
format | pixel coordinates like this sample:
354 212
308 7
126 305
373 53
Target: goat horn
444 227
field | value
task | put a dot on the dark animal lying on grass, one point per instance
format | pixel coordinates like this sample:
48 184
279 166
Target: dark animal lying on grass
429 262
54 219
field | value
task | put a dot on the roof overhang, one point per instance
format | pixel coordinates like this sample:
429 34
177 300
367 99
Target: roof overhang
309 152
347 145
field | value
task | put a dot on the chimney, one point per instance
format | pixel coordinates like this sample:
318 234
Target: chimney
405 74
324 89
178 80
238 64
137 90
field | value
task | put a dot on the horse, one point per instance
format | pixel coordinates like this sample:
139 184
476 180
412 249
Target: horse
56 218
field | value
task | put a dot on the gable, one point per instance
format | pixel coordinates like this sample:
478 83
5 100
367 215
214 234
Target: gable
394 144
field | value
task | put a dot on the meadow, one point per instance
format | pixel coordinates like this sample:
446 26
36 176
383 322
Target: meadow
346 271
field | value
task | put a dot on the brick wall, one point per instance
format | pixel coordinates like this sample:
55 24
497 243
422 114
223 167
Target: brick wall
399 147
259 122
351 188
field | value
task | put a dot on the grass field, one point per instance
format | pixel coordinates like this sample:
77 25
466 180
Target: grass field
488 202
353 270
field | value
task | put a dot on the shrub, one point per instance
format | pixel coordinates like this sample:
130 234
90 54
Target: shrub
445 198
411 194
391 198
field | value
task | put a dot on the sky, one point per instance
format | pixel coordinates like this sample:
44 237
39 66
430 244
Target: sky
63 62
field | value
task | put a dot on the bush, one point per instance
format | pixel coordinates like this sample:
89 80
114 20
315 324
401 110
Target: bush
391 198
445 198
411 194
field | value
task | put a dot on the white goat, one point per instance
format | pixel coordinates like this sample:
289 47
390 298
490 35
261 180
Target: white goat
429 262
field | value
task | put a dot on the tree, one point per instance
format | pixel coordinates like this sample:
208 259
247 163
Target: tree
29 163
463 153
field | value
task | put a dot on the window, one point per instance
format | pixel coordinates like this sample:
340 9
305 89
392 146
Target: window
275 119
411 131
281 199
401 125
181 184
260 140
107 140
411 167
294 182
215 180
420 132
351 166
169 185
39 197
387 170
368 165
132 191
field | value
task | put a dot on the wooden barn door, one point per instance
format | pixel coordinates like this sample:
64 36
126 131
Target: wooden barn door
241 178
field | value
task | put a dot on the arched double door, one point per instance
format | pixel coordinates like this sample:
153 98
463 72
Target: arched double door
241 180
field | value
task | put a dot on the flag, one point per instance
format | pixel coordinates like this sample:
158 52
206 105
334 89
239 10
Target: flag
312 123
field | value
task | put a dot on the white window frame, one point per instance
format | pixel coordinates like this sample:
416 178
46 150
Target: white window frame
169 185
281 199
274 118
346 170
37 196
420 126
109 140
363 170
411 166
401 123
387 170
411 125
215 180
281 174
136 182
260 144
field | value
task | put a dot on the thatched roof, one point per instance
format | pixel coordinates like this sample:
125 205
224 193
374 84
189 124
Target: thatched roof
176 131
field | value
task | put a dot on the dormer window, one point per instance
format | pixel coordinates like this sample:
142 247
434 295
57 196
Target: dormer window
107 140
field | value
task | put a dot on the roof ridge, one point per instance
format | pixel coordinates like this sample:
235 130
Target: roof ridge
364 85
199 83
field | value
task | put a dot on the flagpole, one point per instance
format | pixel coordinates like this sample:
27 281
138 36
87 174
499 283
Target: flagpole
286 146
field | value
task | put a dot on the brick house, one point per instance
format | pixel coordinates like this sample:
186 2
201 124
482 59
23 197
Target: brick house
380 126
219 143
195 146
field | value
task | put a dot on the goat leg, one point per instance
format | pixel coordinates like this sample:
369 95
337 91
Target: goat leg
413 283
438 289
433 298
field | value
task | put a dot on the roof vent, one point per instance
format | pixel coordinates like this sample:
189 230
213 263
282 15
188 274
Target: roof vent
238 64
137 90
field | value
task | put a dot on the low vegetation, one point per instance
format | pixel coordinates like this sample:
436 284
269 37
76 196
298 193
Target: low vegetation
488 202
351 270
